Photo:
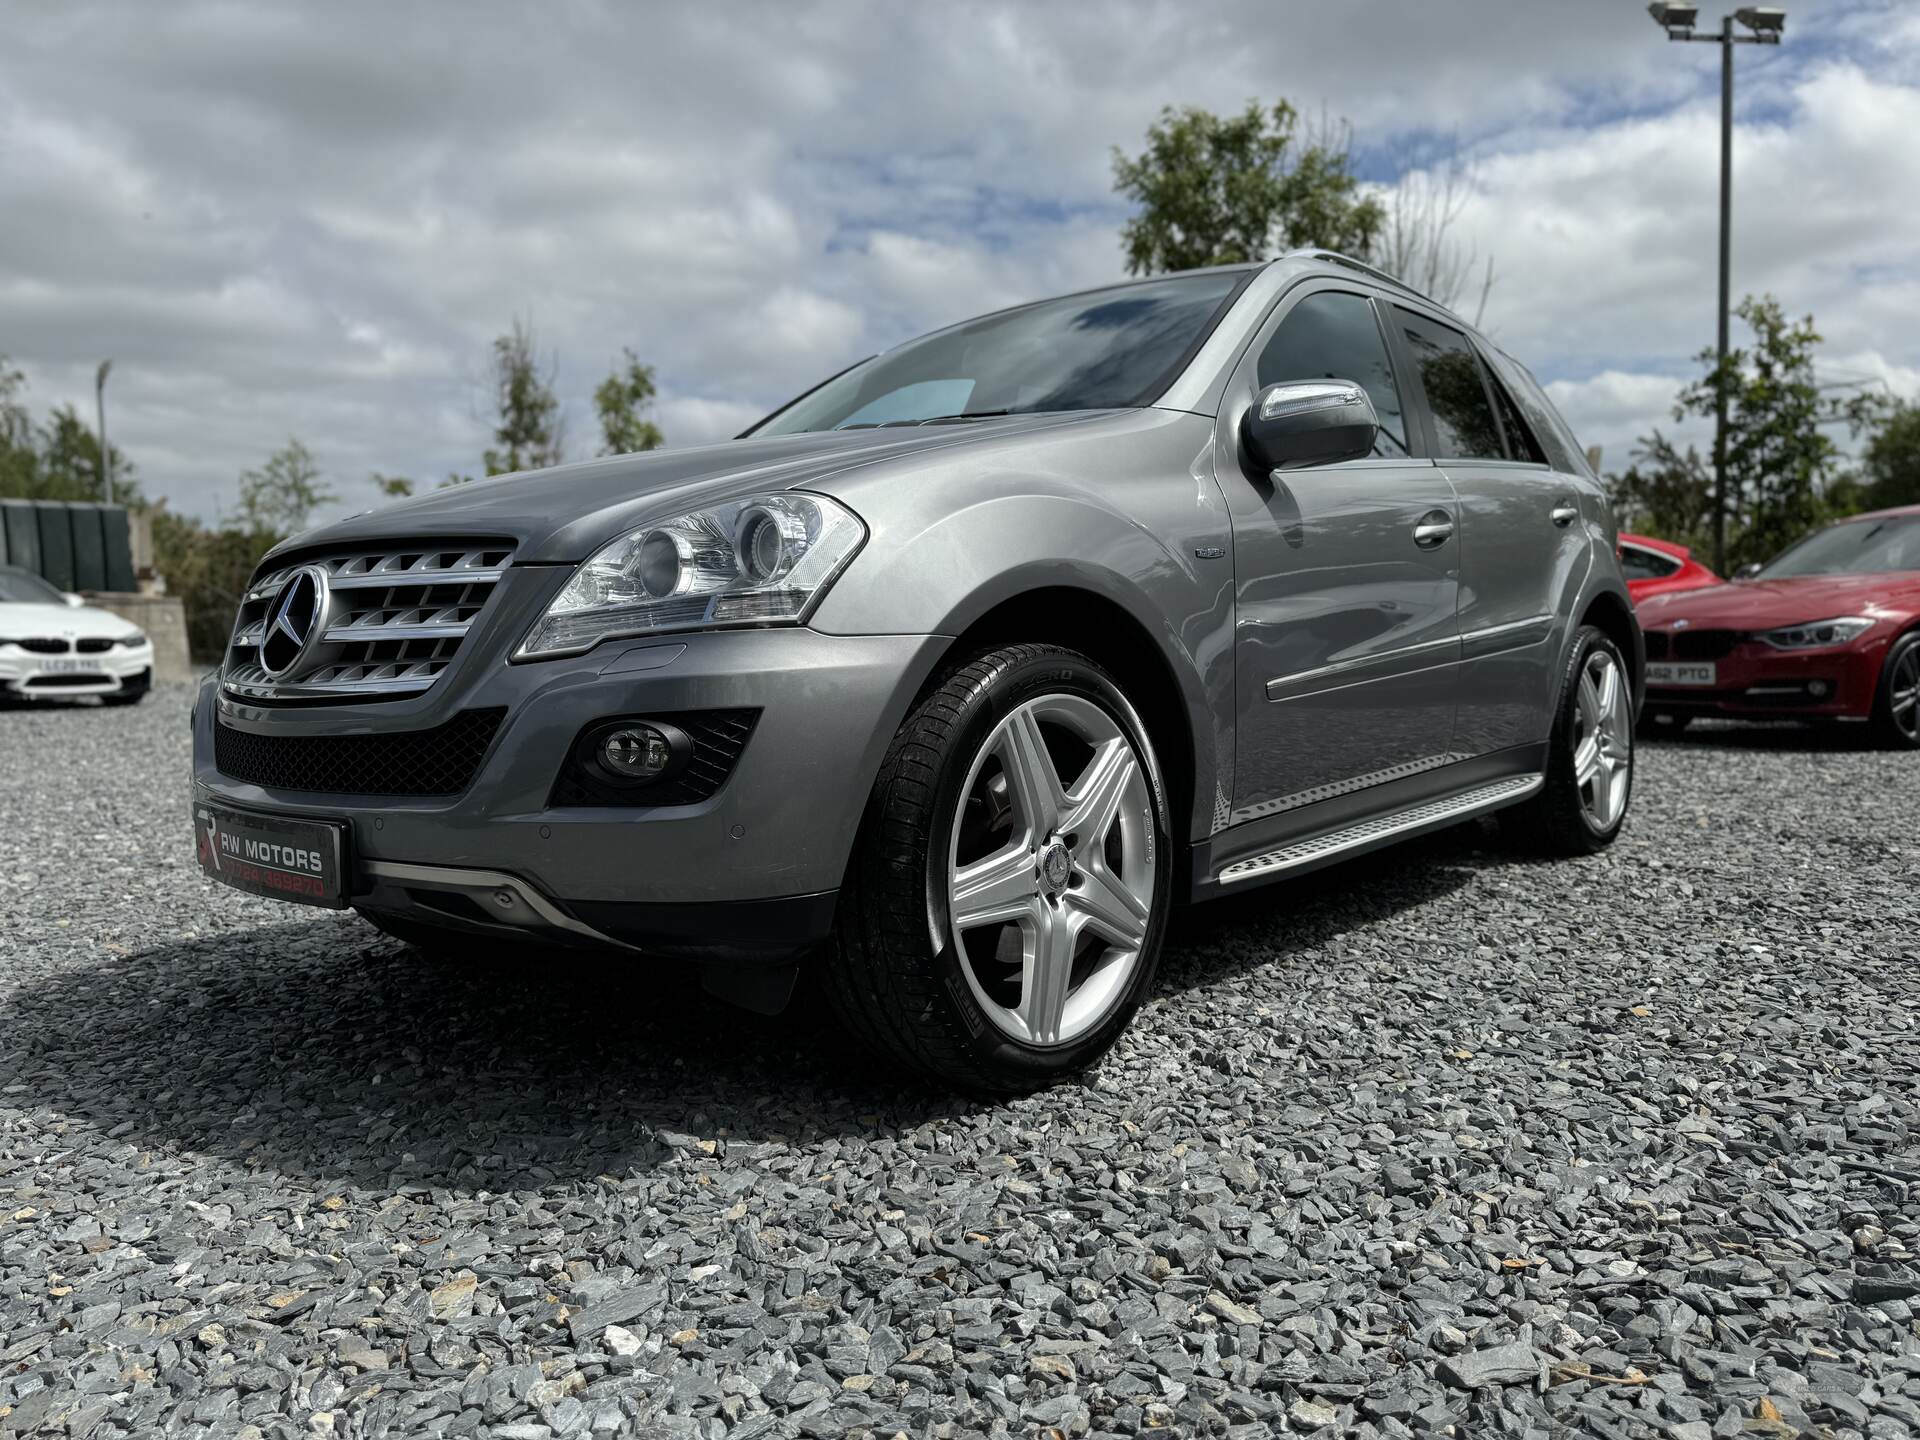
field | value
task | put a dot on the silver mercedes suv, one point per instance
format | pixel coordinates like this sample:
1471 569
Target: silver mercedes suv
955 674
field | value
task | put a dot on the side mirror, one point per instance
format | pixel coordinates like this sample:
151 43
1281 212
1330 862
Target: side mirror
1309 422
1747 571
74 602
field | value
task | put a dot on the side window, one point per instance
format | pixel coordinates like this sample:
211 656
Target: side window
1334 336
1638 564
1549 429
1520 442
1463 420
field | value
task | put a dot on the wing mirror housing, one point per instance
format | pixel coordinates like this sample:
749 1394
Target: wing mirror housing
1747 571
1308 422
74 602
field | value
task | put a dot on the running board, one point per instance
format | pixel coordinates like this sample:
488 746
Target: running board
1303 854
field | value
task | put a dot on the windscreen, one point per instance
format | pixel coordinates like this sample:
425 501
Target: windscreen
18 587
1859 547
1106 349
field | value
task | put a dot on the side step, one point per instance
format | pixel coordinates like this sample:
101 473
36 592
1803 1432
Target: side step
1321 849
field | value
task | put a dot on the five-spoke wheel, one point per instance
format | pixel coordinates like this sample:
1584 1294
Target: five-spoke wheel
1051 874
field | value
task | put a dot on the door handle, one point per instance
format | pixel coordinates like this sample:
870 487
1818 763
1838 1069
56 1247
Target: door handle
1434 529
1564 514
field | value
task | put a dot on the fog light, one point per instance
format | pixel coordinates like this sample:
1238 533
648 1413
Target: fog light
1817 689
635 753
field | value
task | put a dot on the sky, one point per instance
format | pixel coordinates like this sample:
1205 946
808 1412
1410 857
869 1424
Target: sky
312 220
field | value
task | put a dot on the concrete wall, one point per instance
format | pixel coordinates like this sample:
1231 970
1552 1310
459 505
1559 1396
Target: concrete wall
164 618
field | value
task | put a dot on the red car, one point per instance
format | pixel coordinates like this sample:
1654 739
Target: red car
1660 567
1829 629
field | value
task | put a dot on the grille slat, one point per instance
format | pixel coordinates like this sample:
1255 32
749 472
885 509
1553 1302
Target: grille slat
380 600
437 762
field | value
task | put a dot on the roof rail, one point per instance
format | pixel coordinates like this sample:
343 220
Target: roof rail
1374 272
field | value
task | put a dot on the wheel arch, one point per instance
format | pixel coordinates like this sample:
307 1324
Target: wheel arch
1083 614
1613 615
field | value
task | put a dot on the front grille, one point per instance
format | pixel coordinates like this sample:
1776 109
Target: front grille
718 737
441 761
1691 644
93 647
43 646
392 620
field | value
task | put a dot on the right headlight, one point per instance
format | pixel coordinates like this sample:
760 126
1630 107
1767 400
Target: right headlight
759 561
1815 634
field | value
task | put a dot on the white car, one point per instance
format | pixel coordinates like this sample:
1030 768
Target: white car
54 646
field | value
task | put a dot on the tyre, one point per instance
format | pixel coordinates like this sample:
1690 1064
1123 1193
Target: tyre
1007 898
1665 724
1896 705
1589 776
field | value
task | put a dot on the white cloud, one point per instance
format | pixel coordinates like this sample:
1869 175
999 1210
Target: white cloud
286 221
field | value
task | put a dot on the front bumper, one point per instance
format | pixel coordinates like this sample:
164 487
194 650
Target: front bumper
753 870
25 675
1756 681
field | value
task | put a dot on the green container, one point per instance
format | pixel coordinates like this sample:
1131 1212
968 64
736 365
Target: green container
89 545
113 526
21 522
56 543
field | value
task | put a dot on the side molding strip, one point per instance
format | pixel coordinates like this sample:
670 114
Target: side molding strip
1382 828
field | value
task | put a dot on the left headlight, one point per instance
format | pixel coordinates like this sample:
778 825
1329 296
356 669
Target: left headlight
133 641
1816 634
759 561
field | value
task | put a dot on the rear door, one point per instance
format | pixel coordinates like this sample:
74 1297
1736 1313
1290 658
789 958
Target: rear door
1522 546
1345 641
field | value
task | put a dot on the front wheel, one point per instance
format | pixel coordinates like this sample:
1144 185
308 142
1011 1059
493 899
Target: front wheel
1896 706
1589 777
1005 906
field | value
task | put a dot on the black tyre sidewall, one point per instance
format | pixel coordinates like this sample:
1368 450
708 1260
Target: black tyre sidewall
1560 766
1885 727
1050 672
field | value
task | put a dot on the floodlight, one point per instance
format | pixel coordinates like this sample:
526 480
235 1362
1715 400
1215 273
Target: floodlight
1762 19
1673 17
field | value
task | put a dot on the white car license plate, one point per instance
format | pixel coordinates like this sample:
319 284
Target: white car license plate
69 667
1681 672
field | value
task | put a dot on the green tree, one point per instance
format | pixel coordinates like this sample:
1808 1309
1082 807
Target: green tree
19 458
207 568
392 487
70 461
1780 462
280 497
1890 467
622 402
529 431
1216 190
1666 493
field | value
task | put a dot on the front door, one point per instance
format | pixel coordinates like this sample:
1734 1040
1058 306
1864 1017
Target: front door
1346 644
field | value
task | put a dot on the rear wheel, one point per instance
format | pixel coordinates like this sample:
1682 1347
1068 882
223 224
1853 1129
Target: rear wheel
1896 706
1005 906
1589 776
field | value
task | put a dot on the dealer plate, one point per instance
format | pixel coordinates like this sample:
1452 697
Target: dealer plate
273 855
69 667
1681 672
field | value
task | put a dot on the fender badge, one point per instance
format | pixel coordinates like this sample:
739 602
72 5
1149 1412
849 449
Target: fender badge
1209 552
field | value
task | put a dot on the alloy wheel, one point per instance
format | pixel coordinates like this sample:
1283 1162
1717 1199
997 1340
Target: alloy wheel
1051 869
1603 740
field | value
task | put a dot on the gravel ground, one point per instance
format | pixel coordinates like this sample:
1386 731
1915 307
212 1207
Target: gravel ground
1441 1140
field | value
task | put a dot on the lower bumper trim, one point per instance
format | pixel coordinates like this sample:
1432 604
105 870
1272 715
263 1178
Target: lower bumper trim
494 902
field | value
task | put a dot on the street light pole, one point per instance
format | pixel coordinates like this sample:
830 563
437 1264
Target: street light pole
1726 298
1766 22
100 414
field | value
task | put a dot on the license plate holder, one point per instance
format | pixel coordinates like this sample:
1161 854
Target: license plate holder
1682 672
280 857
